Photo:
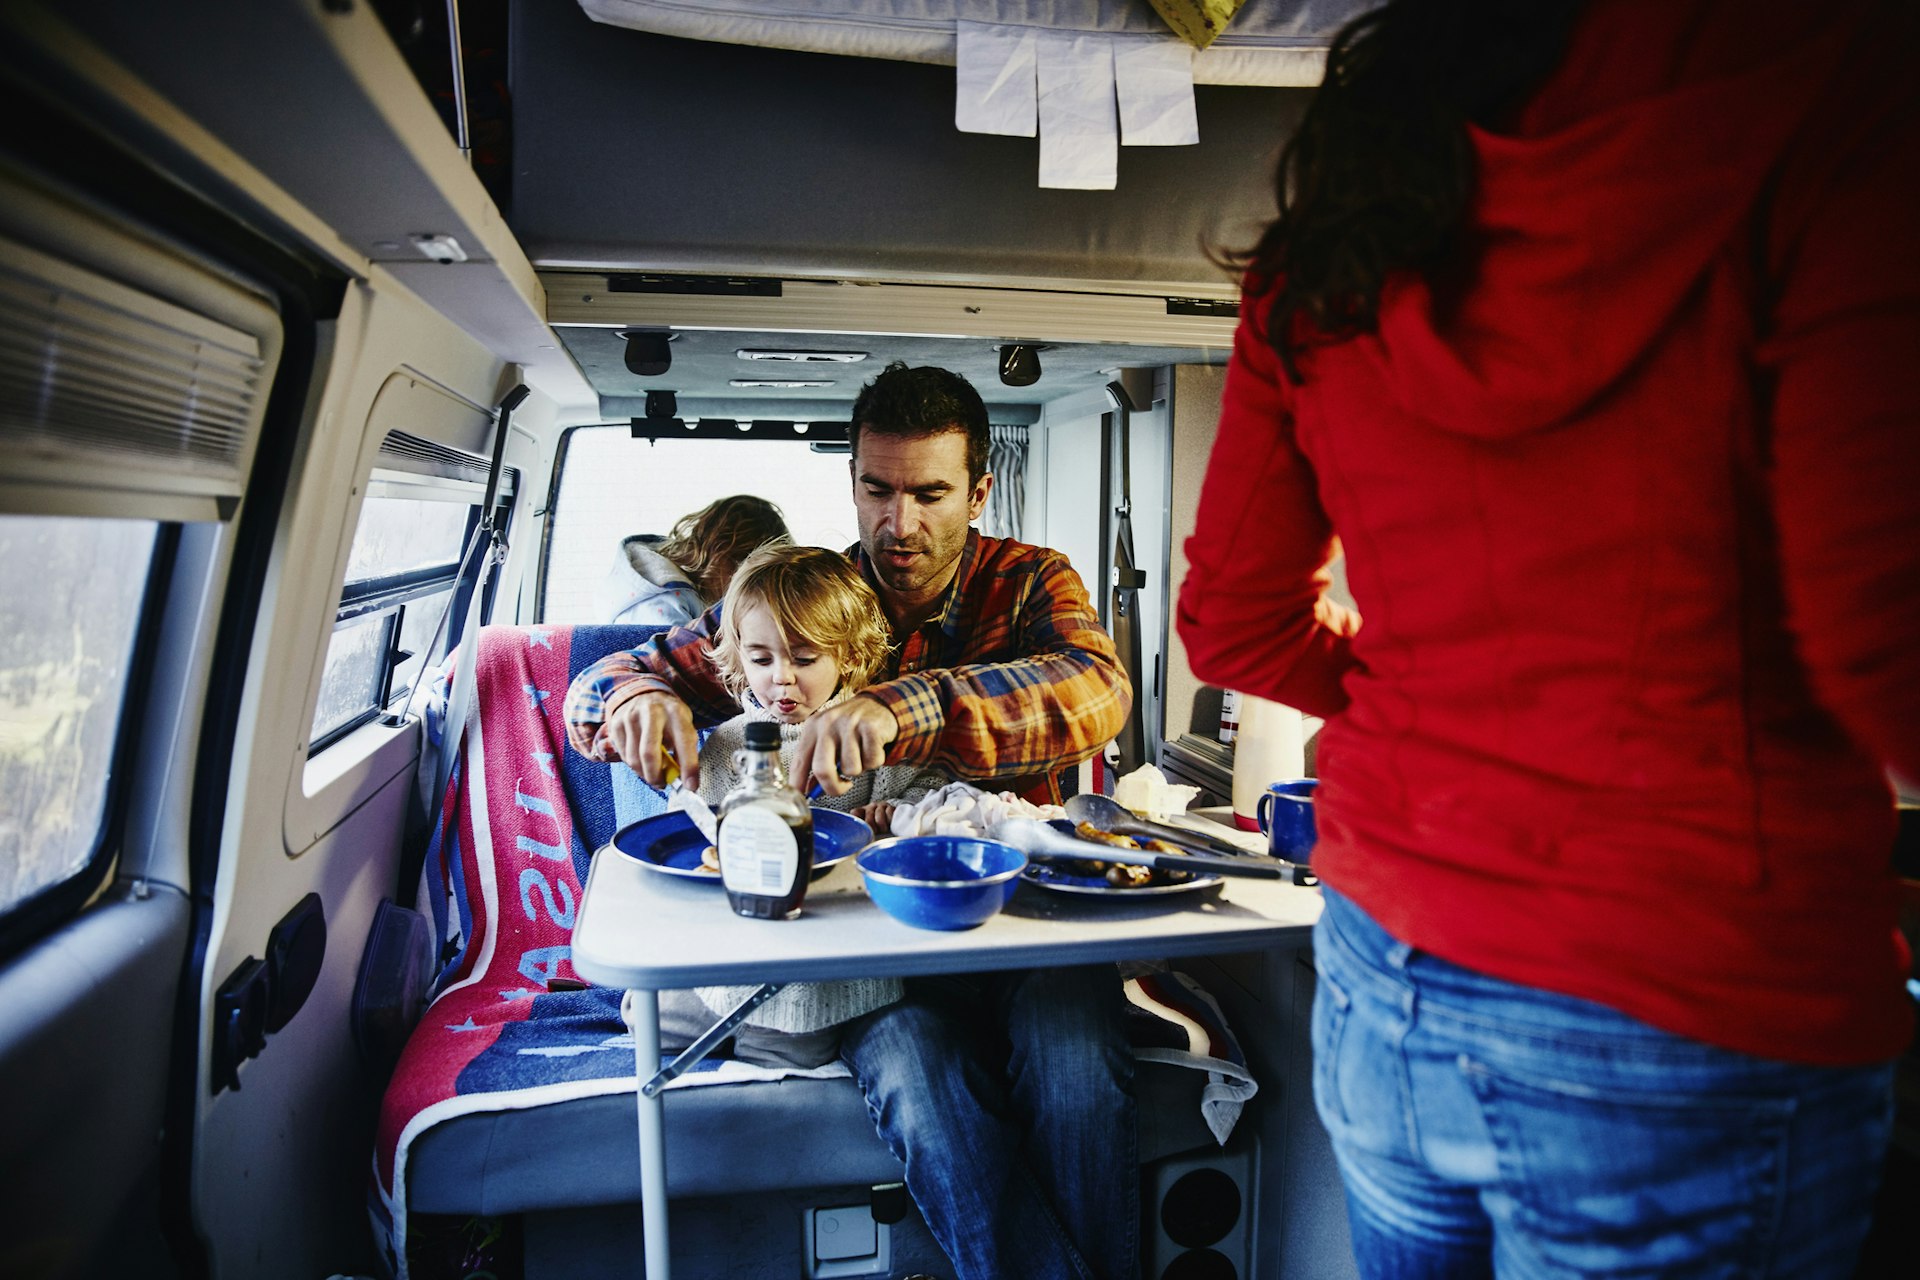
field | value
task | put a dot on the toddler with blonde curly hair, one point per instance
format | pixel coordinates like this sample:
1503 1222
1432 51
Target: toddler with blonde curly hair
800 630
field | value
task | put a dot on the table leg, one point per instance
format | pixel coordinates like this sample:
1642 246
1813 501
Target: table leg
641 1012
712 1036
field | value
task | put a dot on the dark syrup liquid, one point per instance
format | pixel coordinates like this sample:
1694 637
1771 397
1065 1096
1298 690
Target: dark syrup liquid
779 902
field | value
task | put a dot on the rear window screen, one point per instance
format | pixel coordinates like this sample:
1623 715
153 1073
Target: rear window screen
613 486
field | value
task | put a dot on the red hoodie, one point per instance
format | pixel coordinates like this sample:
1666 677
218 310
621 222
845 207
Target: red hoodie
1635 527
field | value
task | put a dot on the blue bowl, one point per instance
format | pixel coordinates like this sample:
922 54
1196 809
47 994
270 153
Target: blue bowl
941 882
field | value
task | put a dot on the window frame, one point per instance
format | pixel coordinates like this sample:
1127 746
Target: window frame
37 914
549 508
389 597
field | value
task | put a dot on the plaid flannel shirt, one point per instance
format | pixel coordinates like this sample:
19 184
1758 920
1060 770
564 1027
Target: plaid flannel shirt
1010 680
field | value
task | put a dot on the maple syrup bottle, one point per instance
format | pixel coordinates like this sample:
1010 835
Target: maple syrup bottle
766 832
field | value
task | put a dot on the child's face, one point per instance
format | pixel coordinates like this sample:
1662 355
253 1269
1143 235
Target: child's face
791 680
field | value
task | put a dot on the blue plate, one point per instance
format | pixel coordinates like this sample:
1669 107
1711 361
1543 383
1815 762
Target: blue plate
1043 875
669 843
1053 876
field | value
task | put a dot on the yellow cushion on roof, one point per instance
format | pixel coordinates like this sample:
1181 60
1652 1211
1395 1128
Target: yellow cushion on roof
1197 21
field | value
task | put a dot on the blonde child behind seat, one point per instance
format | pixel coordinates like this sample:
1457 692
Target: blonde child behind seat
800 631
671 580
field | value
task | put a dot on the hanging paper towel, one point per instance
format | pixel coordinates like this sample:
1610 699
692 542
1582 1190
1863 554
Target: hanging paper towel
1270 745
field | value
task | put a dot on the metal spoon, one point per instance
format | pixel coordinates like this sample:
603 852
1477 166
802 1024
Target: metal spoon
1103 814
1107 815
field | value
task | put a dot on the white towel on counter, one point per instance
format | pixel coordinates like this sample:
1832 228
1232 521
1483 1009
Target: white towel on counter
961 809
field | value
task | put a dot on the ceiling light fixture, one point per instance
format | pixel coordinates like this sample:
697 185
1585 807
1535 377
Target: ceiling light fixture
1020 364
780 382
801 357
648 354
442 249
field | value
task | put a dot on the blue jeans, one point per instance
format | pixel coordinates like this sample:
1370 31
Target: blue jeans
1008 1097
1484 1128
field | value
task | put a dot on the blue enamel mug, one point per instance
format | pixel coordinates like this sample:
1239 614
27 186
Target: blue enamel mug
1285 812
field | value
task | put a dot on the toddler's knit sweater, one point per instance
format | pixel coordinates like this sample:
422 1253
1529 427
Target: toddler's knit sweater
806 1006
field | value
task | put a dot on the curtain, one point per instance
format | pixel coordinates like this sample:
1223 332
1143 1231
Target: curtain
1007 503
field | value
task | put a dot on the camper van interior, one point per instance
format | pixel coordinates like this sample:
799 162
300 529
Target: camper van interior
345 343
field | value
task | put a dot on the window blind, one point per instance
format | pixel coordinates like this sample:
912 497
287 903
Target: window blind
110 389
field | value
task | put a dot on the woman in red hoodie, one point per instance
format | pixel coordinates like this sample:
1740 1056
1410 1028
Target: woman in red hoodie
1590 333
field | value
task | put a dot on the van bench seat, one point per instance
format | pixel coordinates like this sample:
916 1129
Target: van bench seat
514 1094
765 1136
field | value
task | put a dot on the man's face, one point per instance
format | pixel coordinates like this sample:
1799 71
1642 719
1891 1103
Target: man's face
914 504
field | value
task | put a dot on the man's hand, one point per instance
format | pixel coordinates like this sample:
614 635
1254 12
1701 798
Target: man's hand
649 733
841 743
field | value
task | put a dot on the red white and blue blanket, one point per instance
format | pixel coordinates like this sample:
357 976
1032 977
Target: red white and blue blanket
512 1026
509 1026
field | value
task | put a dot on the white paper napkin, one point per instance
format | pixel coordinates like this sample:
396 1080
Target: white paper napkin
1154 82
1079 126
995 70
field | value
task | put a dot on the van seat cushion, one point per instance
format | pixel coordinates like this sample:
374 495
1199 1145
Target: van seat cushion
776 1135
796 1132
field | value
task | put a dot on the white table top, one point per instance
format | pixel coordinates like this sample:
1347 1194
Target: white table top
640 928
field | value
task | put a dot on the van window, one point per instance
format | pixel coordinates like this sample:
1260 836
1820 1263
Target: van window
401 573
612 486
71 592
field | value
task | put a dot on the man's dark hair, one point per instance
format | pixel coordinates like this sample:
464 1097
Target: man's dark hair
923 402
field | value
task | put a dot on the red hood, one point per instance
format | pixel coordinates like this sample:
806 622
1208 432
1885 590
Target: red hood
1592 199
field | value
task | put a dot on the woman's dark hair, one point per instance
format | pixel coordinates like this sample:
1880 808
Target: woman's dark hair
923 401
1378 177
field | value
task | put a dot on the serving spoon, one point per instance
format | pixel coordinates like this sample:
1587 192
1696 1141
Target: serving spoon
1103 814
1110 816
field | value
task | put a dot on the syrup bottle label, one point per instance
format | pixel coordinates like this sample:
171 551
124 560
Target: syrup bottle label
758 853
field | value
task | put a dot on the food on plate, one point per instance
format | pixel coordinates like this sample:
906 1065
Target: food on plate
710 860
1125 875
1087 831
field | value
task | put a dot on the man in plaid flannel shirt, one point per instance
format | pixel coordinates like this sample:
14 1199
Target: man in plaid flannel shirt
1000 673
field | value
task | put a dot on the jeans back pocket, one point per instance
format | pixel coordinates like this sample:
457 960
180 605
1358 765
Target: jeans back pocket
1605 1180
